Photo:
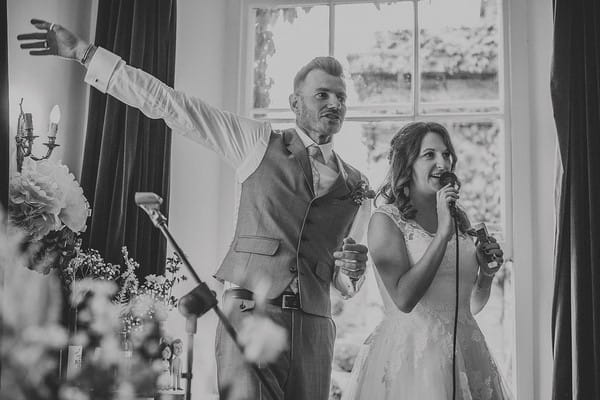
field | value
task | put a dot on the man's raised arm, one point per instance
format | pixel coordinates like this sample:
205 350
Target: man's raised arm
229 135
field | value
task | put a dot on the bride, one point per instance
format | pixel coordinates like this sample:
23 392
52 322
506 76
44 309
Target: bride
413 246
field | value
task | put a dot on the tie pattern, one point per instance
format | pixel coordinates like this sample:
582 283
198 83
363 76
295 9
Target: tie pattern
316 156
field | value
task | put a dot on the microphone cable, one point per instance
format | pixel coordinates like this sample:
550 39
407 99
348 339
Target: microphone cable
455 217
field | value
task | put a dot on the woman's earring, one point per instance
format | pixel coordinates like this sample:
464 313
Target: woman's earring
406 191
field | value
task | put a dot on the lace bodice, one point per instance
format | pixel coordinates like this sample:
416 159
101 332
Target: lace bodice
409 355
441 295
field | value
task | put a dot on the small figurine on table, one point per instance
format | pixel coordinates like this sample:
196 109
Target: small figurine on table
177 364
163 381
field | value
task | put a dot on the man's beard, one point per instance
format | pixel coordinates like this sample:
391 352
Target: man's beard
313 123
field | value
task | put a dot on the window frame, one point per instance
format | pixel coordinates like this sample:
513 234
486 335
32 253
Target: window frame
514 92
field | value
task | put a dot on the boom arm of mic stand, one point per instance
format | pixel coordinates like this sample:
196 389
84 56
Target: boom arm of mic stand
160 221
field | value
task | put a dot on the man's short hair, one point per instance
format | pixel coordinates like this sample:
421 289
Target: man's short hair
327 64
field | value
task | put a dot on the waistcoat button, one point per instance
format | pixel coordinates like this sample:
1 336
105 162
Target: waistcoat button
293 269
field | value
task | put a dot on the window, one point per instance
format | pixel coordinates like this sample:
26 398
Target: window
404 61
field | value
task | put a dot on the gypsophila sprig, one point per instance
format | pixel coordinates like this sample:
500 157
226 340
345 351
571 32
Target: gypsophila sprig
128 281
151 299
160 287
89 264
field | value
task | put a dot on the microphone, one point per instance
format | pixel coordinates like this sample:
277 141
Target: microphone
148 199
446 178
150 203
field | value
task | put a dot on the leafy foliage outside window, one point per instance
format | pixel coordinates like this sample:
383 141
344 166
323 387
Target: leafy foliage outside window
459 67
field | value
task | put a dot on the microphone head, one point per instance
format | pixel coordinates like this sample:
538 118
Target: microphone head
448 177
147 199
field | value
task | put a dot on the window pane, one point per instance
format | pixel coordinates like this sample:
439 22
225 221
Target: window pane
479 149
459 56
375 45
285 40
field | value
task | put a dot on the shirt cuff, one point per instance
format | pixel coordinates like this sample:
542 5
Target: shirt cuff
101 68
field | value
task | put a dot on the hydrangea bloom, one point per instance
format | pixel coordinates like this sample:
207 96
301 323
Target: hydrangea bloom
44 197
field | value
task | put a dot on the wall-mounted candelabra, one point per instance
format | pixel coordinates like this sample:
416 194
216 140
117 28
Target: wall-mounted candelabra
25 136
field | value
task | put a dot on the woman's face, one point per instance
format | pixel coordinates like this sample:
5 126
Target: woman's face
433 159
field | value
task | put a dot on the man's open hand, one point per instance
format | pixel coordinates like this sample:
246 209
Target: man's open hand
53 40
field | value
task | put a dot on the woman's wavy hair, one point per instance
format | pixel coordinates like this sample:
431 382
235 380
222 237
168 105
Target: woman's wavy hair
404 151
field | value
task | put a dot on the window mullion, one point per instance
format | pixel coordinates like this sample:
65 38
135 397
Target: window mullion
416 86
331 27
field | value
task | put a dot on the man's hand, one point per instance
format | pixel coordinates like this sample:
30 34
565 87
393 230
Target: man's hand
352 259
56 40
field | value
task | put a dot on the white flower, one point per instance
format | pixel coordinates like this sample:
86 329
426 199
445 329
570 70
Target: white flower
262 339
76 209
44 196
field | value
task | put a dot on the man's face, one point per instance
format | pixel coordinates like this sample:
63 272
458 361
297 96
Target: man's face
320 105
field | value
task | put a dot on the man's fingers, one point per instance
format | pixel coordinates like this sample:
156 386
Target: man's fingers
30 36
349 240
352 271
361 248
350 255
40 23
46 52
351 268
35 45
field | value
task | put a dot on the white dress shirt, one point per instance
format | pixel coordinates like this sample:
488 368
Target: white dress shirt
241 142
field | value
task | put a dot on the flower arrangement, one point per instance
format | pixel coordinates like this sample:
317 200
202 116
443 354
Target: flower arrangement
48 205
33 336
88 264
360 192
154 295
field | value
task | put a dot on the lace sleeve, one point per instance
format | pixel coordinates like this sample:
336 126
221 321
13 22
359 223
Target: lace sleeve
394 214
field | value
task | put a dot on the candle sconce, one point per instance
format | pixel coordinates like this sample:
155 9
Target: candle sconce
25 136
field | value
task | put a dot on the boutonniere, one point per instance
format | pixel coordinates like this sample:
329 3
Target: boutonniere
359 193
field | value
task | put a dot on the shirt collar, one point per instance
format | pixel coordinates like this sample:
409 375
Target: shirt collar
326 149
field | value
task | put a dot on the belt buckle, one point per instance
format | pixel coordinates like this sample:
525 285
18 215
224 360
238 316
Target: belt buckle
289 302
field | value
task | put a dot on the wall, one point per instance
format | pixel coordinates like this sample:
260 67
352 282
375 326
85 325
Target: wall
543 151
201 184
43 82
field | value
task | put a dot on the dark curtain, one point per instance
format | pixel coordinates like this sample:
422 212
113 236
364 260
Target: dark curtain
126 152
575 88
4 117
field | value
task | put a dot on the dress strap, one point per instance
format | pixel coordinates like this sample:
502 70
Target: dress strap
394 214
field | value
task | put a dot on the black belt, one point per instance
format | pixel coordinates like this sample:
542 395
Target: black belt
286 300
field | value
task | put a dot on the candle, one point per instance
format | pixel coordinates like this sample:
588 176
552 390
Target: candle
28 122
54 119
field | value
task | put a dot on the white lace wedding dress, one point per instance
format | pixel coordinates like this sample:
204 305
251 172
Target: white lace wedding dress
409 355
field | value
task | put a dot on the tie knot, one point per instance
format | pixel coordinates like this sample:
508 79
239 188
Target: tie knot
315 152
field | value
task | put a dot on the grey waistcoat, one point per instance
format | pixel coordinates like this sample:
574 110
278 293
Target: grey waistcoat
283 231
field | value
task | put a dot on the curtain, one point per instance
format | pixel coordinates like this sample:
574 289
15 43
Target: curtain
575 85
125 152
4 112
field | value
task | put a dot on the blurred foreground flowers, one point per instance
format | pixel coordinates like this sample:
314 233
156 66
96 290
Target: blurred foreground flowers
33 337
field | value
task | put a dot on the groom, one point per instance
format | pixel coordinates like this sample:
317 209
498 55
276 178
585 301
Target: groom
299 206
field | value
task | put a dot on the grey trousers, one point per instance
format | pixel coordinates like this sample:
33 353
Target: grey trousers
303 372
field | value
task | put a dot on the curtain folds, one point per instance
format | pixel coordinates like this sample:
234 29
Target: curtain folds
4 111
575 86
126 152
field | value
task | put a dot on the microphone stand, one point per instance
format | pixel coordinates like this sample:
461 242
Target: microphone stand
200 300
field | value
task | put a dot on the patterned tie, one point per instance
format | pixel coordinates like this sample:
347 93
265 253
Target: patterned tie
316 156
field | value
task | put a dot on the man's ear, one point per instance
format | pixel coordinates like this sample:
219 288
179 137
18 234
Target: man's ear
293 102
